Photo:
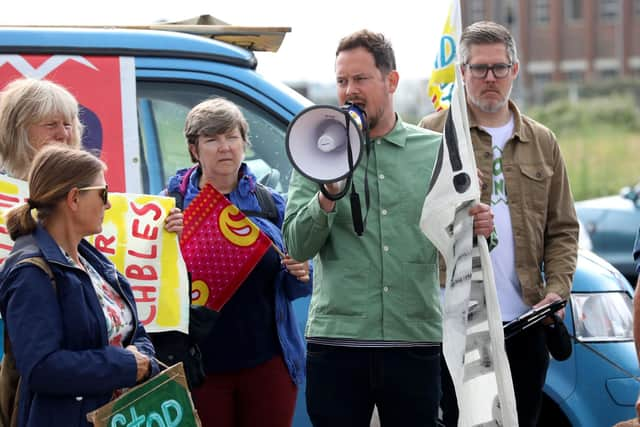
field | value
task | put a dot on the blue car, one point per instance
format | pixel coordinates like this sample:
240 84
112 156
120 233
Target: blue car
612 223
598 385
173 71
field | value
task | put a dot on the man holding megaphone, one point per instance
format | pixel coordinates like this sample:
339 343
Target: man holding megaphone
374 331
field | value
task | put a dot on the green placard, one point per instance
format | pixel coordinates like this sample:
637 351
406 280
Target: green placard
163 401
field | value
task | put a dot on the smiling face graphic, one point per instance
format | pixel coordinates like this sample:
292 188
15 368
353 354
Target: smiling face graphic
237 228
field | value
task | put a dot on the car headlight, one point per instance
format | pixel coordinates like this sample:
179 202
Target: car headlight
602 316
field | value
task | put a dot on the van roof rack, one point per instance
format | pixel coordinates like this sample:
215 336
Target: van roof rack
261 39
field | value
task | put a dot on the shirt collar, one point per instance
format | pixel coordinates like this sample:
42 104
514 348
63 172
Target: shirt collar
397 135
246 180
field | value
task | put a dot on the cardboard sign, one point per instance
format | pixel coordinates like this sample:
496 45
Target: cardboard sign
162 401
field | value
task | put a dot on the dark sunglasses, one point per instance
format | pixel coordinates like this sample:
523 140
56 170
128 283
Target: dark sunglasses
104 193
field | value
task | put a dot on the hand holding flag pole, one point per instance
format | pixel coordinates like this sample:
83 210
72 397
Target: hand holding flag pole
472 327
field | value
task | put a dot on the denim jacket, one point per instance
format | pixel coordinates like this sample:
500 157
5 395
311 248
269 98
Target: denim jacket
543 217
287 287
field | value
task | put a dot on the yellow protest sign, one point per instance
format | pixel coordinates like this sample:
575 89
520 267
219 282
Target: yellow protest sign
12 192
134 239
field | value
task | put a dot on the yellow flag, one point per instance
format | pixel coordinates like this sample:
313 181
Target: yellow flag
443 76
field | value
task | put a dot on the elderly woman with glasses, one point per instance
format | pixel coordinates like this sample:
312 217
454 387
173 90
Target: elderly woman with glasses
33 114
73 327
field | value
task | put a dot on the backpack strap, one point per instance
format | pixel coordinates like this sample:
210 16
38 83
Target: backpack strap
10 378
268 208
179 198
43 265
178 194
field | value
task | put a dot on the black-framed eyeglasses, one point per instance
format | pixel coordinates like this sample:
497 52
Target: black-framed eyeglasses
480 71
104 194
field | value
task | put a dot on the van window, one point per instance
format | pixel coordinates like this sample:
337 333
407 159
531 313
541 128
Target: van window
162 109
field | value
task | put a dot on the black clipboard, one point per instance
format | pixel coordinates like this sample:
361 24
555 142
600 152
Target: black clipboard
532 317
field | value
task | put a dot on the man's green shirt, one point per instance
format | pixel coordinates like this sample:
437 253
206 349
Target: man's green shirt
383 285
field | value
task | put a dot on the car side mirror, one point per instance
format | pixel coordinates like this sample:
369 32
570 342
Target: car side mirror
271 179
630 193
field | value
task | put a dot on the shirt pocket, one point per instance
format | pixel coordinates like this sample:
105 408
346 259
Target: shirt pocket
344 291
535 182
421 290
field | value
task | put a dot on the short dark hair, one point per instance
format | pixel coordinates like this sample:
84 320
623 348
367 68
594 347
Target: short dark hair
487 32
213 117
376 44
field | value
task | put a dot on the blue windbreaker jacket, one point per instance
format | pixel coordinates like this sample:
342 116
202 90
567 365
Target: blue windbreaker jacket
288 288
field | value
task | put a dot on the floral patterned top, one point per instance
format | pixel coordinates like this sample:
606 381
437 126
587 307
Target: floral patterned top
117 313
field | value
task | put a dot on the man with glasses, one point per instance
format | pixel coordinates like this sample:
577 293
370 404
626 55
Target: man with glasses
524 178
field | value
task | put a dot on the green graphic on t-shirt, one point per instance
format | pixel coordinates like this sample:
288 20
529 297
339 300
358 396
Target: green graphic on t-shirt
499 191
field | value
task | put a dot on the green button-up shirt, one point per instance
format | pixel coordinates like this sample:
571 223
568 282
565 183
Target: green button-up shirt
383 285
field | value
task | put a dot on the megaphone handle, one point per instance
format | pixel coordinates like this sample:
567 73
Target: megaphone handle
337 196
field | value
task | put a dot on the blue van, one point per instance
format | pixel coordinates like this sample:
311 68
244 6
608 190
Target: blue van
168 72
164 73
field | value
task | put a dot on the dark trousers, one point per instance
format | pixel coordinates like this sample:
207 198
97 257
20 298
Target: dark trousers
343 385
528 359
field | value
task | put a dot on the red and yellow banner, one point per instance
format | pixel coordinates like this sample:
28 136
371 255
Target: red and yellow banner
220 246
105 87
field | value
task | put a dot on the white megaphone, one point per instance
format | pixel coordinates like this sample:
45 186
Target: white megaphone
324 144
319 146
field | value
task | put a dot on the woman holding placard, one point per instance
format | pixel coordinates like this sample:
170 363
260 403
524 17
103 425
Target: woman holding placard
254 355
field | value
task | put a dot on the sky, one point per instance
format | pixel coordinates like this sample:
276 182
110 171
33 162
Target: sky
308 51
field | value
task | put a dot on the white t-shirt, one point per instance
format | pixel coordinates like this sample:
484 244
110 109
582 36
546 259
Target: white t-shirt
503 255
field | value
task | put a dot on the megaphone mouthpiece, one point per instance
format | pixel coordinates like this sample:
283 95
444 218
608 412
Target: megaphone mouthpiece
358 115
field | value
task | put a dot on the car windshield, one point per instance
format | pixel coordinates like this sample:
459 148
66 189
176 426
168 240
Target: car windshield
605 316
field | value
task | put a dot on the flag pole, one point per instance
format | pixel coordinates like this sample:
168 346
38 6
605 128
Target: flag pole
280 253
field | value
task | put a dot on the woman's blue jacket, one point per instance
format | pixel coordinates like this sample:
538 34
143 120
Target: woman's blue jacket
59 335
288 288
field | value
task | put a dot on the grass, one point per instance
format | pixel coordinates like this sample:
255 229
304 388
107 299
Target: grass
599 139
600 159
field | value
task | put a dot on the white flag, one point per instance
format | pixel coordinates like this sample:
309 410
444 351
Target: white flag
473 339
